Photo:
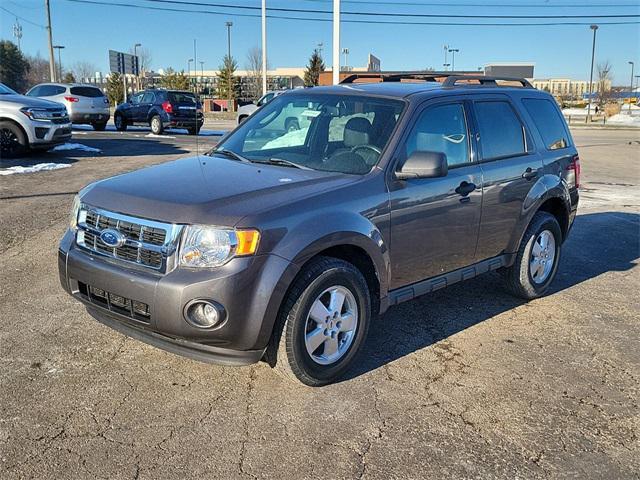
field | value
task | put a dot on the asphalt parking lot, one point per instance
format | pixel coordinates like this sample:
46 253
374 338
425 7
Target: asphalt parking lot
465 383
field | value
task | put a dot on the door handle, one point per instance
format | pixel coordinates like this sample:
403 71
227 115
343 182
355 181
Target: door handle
465 188
530 174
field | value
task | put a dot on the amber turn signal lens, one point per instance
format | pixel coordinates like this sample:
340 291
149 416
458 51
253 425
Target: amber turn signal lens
247 242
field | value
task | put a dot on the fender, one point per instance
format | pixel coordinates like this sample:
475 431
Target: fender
311 237
22 123
545 188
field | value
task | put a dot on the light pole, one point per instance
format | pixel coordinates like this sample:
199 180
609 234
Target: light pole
59 47
264 47
201 74
453 52
593 54
229 79
446 50
189 71
135 59
631 87
345 52
52 62
17 32
336 43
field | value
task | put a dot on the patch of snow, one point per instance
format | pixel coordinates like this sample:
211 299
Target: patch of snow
213 133
40 167
153 135
75 146
625 119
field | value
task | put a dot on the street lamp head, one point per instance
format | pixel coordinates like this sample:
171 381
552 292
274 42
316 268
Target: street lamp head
631 63
229 24
138 45
59 46
593 27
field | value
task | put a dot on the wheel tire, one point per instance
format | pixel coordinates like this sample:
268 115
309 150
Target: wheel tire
99 127
156 125
291 125
242 118
13 141
288 346
120 122
193 131
519 278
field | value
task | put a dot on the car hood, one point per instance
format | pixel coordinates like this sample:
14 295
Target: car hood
25 101
208 190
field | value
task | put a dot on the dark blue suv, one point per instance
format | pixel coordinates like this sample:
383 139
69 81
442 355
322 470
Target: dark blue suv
161 109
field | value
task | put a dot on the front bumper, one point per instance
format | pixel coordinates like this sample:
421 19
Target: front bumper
44 134
250 289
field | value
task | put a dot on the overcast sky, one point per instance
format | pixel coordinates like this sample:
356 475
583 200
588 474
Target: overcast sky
88 31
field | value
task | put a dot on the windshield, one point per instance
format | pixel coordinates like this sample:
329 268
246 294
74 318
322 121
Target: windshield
336 133
4 90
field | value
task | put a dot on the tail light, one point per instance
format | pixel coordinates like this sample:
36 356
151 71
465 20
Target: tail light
167 107
72 99
574 167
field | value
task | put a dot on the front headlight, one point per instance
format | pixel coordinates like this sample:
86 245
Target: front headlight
204 246
41 114
75 209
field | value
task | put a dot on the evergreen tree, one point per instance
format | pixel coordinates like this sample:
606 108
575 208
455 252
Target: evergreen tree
69 78
174 80
227 81
115 89
13 66
312 73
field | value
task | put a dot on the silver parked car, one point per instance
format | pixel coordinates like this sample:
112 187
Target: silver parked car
86 104
30 123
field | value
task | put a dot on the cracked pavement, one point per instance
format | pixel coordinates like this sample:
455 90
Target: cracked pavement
467 382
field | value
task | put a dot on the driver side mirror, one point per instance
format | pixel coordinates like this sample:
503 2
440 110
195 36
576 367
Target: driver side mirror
423 164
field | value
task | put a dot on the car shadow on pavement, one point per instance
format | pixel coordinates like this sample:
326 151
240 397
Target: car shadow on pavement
598 243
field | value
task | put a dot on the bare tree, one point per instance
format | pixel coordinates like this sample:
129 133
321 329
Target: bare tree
38 70
83 70
604 81
254 69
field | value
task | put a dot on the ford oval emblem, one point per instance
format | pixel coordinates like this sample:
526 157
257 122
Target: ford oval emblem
112 238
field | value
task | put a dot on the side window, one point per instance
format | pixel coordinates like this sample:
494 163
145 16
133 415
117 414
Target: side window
136 99
34 92
442 128
501 133
266 99
148 97
547 120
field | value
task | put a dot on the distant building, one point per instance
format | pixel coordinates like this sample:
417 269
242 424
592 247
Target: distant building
565 87
510 69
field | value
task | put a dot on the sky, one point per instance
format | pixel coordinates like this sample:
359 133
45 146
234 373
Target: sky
89 30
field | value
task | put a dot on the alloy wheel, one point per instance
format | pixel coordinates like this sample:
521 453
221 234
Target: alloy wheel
331 325
543 255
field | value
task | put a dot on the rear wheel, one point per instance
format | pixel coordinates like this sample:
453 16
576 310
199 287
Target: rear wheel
537 258
193 130
323 322
156 125
120 122
99 126
13 141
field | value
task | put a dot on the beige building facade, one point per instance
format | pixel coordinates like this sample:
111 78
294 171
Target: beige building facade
565 87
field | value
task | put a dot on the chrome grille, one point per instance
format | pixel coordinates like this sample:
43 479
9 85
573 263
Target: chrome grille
147 243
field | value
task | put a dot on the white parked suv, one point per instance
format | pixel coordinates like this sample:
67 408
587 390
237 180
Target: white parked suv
246 110
30 123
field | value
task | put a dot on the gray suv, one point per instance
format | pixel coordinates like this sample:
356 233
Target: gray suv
285 245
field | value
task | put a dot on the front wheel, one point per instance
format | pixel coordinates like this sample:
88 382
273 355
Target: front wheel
121 124
99 127
537 259
323 322
13 141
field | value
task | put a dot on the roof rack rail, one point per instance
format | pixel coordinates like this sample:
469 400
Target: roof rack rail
395 77
483 80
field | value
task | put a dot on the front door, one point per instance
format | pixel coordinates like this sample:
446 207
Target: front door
435 221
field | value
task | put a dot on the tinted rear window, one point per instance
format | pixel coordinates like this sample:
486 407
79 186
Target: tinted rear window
92 92
501 133
184 98
548 122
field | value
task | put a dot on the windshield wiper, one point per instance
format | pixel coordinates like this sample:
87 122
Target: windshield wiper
284 163
232 154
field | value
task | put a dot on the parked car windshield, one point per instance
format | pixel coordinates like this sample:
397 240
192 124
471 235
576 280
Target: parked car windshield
4 90
336 133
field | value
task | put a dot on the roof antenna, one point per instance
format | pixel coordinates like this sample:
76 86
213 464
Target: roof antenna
195 88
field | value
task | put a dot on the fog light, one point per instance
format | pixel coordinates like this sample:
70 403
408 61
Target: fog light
204 314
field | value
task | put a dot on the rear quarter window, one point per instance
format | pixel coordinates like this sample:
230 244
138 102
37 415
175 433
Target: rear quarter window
51 90
91 92
547 120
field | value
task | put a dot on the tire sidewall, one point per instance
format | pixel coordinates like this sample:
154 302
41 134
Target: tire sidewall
298 317
22 146
156 131
548 223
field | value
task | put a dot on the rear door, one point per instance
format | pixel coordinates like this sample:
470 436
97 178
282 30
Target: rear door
185 105
434 221
510 167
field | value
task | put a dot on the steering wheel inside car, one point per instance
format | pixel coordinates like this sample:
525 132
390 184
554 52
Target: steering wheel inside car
367 157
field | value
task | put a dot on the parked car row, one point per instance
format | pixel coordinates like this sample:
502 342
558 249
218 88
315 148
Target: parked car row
42 118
